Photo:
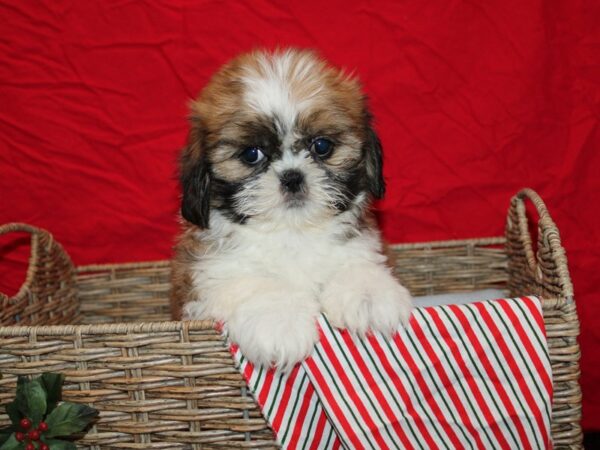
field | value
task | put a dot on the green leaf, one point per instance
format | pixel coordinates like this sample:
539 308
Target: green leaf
20 399
5 434
57 444
69 418
31 399
12 410
11 443
52 383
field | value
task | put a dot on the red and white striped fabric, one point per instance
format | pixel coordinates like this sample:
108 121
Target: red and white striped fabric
474 376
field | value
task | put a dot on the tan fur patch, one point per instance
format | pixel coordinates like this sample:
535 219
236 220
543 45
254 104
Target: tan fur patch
330 100
181 265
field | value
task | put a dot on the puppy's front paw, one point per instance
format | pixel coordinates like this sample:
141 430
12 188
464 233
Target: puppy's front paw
276 331
366 298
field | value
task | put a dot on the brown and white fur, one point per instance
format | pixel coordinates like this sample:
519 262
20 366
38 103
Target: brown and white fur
269 245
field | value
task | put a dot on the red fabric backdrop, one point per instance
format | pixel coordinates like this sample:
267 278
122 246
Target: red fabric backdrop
473 101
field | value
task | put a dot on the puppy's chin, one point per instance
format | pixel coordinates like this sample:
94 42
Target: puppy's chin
296 212
295 201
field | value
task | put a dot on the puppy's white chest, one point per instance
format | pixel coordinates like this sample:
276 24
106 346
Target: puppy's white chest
300 258
247 259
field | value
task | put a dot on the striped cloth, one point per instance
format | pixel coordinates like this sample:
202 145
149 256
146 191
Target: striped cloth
459 376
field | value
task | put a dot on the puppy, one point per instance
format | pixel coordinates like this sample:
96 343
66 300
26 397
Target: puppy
281 165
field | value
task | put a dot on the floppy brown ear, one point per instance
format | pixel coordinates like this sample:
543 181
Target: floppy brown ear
374 163
195 182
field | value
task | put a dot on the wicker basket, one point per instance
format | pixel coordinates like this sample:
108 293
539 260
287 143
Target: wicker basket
173 385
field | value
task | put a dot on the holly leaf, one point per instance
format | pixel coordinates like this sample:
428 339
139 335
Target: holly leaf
52 383
20 400
11 443
4 435
69 418
12 410
57 444
31 399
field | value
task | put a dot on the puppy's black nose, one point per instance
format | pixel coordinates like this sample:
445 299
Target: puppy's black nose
292 180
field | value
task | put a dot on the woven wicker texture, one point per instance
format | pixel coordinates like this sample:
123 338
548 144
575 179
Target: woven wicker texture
124 292
545 273
48 295
167 385
157 385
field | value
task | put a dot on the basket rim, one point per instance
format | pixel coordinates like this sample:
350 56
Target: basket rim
158 263
493 240
108 328
124 328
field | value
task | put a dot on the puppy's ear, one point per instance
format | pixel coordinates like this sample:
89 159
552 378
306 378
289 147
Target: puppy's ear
374 163
195 182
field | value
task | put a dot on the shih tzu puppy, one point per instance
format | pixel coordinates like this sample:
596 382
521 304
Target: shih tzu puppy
281 165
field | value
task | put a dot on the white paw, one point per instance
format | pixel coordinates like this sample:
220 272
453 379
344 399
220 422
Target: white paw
366 298
275 330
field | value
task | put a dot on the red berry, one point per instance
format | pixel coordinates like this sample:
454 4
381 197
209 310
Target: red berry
43 426
34 435
19 436
25 423
44 446
30 446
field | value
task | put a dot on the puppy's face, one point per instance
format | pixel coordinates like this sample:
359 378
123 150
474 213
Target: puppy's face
281 138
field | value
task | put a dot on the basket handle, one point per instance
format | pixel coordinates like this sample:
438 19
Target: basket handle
34 249
550 260
35 232
16 227
48 296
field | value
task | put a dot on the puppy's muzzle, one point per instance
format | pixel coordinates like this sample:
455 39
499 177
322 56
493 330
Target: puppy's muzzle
292 181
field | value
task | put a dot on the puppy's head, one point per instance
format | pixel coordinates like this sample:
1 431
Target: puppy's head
279 137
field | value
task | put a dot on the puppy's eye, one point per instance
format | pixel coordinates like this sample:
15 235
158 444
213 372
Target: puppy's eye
322 147
252 155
